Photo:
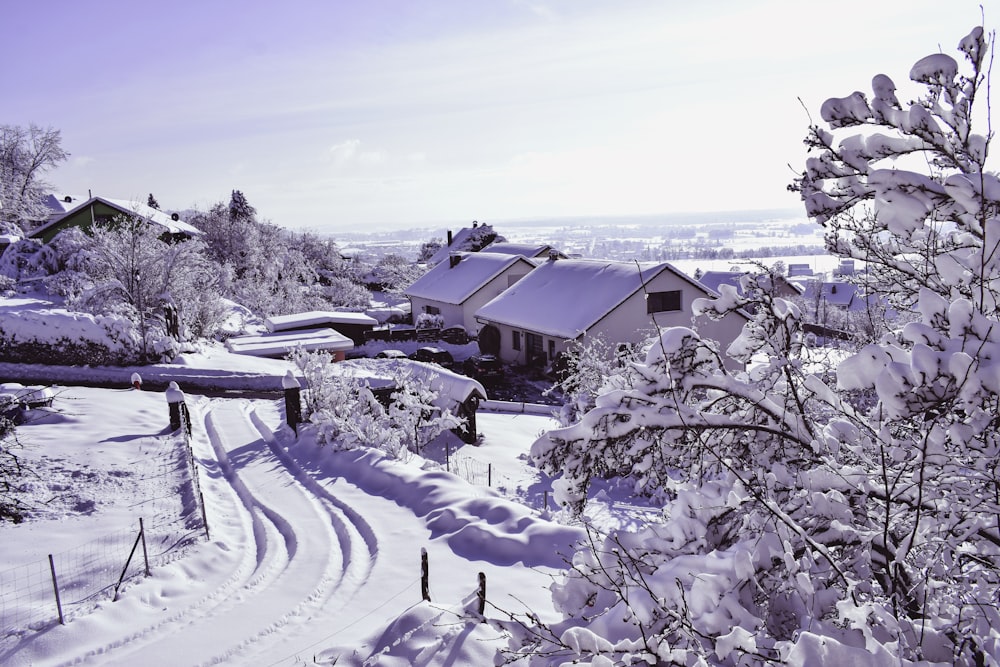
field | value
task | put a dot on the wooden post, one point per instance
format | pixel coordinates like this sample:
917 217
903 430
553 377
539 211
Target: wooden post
482 595
447 455
545 500
489 474
145 554
55 587
175 399
293 401
425 579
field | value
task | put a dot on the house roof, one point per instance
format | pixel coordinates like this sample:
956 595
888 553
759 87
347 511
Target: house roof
317 318
564 298
147 213
522 249
836 293
455 284
280 344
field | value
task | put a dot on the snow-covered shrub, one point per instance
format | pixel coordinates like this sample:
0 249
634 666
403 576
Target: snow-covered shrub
66 338
842 516
345 413
429 321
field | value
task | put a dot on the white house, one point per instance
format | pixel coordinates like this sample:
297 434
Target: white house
457 287
565 299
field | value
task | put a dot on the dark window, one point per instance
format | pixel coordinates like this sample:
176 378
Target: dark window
516 339
432 310
552 350
658 302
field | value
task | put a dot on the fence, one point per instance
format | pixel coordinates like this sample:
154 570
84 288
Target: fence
72 582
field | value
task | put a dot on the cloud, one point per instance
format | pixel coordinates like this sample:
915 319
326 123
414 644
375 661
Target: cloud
349 153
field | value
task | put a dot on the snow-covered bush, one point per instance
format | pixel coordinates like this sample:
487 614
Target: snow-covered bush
344 412
843 516
429 321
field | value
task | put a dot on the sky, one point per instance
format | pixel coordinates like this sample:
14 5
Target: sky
352 116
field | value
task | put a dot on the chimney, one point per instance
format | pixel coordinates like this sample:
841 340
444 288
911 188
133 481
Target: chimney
449 237
553 254
453 260
474 224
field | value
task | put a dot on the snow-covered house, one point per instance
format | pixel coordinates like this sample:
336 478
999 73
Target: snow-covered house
467 239
564 300
352 325
529 250
101 211
456 288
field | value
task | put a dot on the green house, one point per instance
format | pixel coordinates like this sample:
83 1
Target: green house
101 211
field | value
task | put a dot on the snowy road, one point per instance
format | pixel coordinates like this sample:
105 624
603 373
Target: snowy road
309 550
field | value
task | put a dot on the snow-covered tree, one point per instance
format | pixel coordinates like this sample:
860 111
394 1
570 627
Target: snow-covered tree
394 273
26 154
584 371
845 514
134 272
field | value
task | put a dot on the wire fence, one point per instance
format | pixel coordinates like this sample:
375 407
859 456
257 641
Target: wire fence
72 582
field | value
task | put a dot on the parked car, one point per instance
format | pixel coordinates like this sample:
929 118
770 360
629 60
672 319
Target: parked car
484 367
434 355
391 354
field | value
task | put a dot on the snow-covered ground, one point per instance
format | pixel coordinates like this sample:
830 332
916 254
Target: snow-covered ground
310 554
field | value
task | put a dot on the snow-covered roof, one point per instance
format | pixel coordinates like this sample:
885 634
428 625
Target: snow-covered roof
170 222
712 280
60 204
317 318
280 344
564 298
836 293
451 387
454 282
522 249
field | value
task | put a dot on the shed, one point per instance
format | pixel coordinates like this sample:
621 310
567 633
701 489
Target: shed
352 325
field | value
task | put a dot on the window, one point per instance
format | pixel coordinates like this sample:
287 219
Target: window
516 340
432 310
552 350
658 302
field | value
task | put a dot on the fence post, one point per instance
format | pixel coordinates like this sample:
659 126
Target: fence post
204 515
145 554
175 399
489 475
425 579
482 595
293 401
545 500
55 587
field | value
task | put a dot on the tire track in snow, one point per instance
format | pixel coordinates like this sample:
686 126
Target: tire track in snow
291 565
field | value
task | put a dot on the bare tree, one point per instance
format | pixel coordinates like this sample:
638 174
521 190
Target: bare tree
26 154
